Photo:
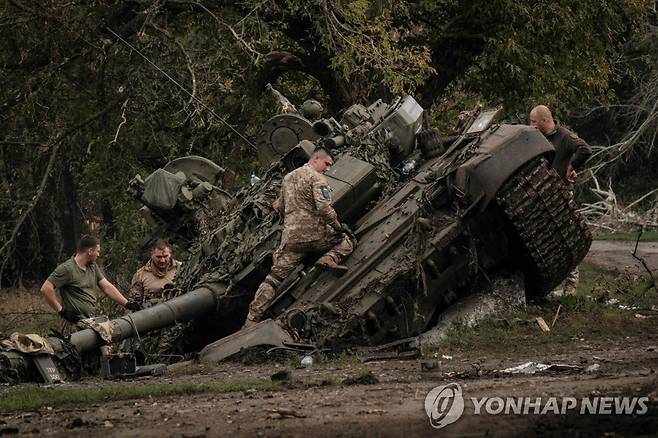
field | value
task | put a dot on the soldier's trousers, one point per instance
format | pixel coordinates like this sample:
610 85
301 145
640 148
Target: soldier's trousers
572 280
285 260
571 283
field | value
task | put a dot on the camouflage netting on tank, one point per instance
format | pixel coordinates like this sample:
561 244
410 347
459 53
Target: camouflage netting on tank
372 149
228 244
228 239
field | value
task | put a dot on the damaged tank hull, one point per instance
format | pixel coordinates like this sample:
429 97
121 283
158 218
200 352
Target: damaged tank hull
435 219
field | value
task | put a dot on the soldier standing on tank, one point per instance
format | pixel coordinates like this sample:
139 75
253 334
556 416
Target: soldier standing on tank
78 280
310 226
157 273
571 153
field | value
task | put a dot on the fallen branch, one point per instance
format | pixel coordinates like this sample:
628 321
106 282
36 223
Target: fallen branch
641 260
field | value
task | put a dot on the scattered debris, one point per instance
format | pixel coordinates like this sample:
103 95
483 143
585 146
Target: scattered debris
557 313
282 376
77 422
394 355
536 367
307 361
250 392
640 316
279 413
542 324
445 356
8 430
428 365
362 379
374 411
592 368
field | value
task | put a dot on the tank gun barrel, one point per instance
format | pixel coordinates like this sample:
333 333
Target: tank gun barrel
180 309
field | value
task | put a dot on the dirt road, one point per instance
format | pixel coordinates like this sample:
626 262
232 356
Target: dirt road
616 255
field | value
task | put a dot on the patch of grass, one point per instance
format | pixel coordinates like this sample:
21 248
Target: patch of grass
647 236
521 334
33 398
585 315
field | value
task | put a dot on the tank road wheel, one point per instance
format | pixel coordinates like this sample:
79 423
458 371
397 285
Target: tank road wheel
429 143
553 236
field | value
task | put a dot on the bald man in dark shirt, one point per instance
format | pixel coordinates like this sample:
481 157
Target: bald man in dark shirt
571 153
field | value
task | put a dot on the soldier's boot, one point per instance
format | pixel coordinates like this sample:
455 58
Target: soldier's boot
571 283
328 262
262 300
251 320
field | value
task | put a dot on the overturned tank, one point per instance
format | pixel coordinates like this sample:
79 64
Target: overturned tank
435 217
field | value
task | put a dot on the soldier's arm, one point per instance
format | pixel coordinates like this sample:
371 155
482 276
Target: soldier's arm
112 292
581 152
49 294
322 198
136 287
58 278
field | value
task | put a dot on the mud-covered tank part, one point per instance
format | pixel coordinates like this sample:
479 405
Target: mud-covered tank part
403 120
282 133
311 109
485 119
500 153
196 168
429 143
186 307
334 142
353 184
554 236
147 215
299 155
325 127
266 332
161 189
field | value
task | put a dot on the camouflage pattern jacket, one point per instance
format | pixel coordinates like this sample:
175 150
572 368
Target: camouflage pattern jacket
306 203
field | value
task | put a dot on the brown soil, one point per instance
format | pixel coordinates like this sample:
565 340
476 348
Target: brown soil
309 406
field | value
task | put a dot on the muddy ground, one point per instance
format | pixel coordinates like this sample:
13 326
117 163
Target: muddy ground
390 400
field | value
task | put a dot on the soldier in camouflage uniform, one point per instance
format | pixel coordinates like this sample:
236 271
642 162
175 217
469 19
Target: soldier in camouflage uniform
310 226
571 153
155 275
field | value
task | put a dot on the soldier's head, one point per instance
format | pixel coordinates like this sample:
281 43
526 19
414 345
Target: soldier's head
542 119
89 246
161 253
321 160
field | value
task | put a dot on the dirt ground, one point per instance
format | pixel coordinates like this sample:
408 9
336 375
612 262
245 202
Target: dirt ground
317 402
616 255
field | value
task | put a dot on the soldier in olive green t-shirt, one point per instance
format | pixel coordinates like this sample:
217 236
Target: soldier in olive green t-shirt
78 280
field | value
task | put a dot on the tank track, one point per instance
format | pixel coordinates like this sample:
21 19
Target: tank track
543 214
